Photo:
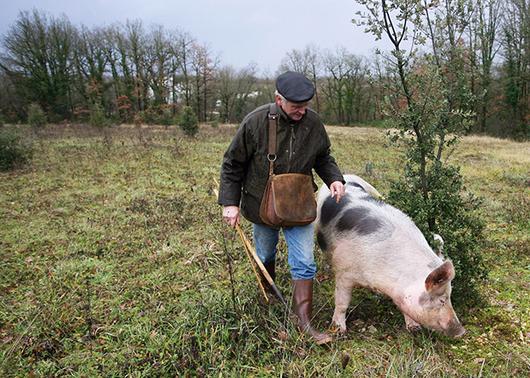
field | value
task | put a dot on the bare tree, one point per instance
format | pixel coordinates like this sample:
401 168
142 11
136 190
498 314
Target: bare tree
488 18
516 66
135 52
203 66
38 58
345 76
116 51
90 66
233 90
157 64
182 46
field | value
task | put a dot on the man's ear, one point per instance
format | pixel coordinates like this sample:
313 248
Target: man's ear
278 100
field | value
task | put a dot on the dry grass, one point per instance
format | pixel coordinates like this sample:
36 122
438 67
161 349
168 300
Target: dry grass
115 263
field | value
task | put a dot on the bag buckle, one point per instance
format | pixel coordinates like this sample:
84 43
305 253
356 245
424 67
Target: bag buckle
271 157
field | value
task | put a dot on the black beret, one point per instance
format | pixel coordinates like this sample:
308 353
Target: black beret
295 87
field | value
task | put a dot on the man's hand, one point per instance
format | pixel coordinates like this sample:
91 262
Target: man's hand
231 215
337 190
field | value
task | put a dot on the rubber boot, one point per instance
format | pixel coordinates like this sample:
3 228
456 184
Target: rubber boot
271 269
302 307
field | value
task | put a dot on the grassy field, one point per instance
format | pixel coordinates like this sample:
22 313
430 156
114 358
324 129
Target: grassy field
115 263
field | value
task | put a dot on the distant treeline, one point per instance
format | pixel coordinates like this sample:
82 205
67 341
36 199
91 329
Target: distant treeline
130 73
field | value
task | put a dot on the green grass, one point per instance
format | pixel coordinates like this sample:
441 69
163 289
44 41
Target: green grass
115 263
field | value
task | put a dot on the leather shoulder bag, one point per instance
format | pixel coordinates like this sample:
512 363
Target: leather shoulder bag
289 199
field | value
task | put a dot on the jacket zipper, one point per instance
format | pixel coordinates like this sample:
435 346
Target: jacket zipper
291 148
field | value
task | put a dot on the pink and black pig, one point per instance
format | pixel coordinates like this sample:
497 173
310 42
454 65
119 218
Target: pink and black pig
374 245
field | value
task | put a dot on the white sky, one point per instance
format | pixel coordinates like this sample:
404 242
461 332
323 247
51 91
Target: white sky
238 31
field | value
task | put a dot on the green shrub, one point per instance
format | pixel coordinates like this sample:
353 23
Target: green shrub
214 121
188 121
166 116
158 115
456 219
97 116
150 116
14 150
36 116
139 119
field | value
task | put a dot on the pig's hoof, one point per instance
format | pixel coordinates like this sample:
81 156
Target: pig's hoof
338 328
413 328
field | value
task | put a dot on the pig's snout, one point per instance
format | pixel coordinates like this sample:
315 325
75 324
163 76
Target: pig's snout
455 329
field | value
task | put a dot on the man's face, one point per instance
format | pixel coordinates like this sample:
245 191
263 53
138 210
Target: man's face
295 110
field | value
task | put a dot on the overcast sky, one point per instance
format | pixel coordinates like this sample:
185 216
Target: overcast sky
238 31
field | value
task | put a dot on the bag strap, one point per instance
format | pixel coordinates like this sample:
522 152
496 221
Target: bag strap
273 123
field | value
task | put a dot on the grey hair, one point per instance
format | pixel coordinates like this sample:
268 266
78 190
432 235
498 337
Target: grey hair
276 93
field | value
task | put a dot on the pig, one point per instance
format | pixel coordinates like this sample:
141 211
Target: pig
374 245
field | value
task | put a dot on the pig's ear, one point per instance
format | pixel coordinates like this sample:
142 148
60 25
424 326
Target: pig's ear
440 276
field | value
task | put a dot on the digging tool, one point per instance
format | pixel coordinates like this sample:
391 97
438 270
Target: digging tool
256 261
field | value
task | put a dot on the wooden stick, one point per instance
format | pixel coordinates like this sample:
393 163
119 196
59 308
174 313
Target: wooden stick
248 250
258 262
252 264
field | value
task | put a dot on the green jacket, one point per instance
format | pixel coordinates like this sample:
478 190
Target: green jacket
301 147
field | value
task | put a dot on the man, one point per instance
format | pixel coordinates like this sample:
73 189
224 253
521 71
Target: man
302 145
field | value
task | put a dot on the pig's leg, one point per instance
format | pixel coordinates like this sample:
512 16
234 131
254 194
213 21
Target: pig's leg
343 288
411 325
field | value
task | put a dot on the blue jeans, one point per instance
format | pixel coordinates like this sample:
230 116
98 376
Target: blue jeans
300 244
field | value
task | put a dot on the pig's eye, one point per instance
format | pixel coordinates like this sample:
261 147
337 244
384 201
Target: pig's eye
442 301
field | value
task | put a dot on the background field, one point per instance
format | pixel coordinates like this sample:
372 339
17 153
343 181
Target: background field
115 262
